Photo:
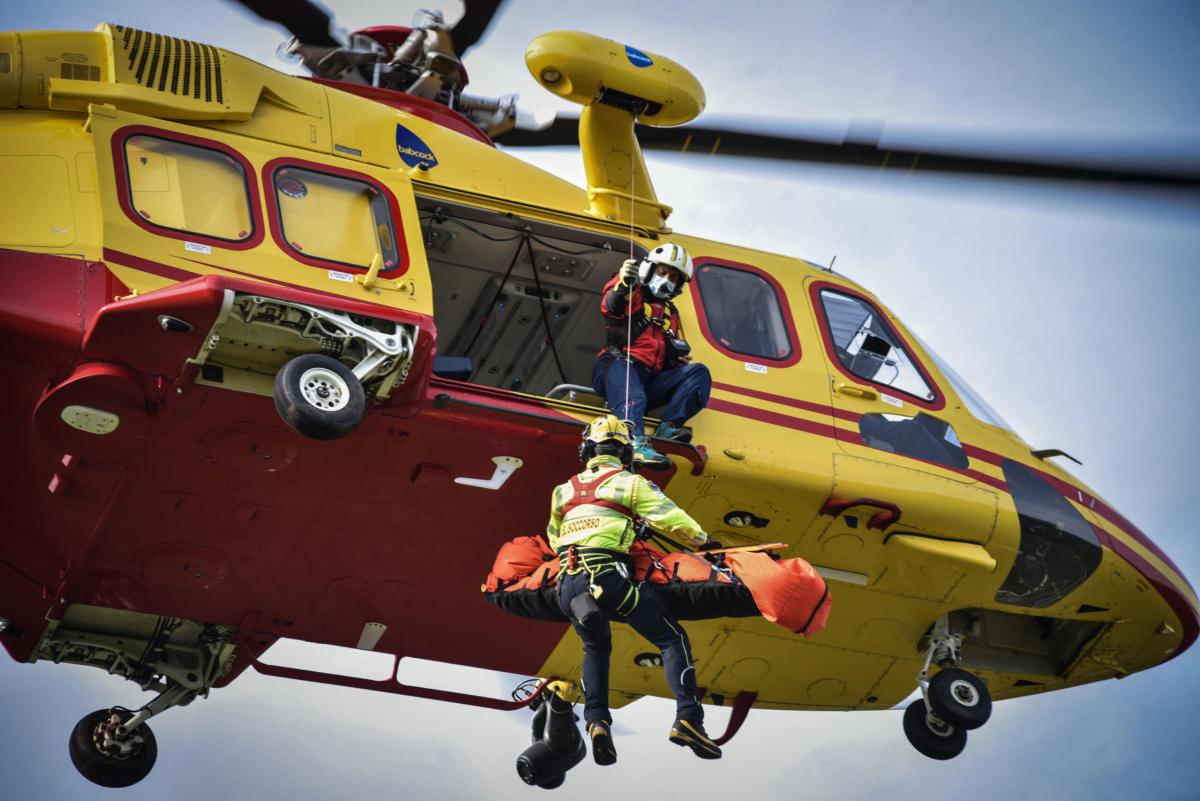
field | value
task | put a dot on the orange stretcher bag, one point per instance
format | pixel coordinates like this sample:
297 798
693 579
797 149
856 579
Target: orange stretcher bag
694 586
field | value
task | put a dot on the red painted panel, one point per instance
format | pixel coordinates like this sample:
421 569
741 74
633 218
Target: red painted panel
411 104
128 332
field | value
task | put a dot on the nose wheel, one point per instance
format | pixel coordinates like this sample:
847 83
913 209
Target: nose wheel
952 702
959 698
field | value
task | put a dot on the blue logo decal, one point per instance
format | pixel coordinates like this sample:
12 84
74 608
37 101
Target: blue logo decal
412 150
637 58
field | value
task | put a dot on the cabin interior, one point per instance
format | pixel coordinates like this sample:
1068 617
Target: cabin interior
517 302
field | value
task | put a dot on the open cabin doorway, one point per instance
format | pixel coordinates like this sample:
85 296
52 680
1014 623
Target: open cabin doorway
516 301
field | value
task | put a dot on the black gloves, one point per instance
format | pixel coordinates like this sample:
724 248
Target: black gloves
628 275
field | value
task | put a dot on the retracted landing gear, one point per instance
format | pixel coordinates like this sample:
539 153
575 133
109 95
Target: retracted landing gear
557 745
952 702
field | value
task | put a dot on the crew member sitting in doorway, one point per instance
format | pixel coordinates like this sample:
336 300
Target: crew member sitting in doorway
645 336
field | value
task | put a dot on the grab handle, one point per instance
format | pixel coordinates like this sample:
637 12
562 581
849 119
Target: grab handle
888 513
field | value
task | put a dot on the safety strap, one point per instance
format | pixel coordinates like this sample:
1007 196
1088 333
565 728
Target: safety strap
586 494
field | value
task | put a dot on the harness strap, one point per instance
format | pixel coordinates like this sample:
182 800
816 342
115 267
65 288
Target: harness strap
586 494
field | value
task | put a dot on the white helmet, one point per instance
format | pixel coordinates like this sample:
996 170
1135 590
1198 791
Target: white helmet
673 256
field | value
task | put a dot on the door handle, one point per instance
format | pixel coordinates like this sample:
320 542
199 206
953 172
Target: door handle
855 390
888 512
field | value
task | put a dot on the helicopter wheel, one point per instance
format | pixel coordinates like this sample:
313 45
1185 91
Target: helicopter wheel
109 762
931 736
319 397
959 698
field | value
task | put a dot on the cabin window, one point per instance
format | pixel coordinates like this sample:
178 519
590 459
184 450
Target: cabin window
331 218
867 347
921 437
188 188
1058 549
742 312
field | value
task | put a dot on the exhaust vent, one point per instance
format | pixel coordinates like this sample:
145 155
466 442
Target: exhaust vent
170 64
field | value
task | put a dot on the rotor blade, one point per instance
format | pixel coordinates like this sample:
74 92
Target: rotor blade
307 21
477 15
1126 164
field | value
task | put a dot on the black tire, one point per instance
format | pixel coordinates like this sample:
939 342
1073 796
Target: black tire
319 397
932 740
102 769
960 698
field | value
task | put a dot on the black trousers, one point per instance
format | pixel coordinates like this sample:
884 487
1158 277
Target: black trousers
647 615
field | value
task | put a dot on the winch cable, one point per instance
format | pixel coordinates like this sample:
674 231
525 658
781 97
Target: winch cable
495 298
629 296
537 282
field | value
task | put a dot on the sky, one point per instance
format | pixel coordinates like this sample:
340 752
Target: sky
1069 309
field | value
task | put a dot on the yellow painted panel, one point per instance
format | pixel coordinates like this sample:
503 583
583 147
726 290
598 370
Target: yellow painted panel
930 504
40 214
964 556
787 671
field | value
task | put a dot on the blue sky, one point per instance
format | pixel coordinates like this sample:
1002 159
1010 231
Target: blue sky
1070 311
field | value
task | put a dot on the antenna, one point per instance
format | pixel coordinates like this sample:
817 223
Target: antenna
829 269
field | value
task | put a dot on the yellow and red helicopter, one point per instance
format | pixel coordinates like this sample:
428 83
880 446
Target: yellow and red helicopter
263 331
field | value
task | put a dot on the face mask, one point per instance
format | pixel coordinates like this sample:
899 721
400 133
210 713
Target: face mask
661 286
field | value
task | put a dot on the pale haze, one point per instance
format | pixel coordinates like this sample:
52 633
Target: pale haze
1070 310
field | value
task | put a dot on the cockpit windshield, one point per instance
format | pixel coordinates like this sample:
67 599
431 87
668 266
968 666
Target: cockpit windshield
975 404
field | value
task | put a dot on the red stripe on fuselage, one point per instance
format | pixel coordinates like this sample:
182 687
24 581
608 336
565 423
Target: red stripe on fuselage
793 402
1181 606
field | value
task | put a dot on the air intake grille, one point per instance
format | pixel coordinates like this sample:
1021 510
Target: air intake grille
174 65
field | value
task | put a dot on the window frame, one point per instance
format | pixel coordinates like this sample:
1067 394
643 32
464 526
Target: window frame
125 190
276 223
781 299
815 289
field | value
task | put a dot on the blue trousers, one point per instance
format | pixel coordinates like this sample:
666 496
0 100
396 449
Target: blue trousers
685 390
649 618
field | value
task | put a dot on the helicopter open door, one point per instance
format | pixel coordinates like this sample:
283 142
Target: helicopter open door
906 509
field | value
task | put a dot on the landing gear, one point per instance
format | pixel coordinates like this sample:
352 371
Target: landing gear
107 759
959 698
952 702
179 660
931 736
319 397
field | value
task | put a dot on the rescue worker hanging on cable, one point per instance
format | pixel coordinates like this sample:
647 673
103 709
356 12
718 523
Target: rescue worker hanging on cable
644 331
593 521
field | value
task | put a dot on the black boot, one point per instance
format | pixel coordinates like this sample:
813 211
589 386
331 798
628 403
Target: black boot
691 734
603 750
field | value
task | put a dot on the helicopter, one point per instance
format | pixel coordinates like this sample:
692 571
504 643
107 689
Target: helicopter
811 529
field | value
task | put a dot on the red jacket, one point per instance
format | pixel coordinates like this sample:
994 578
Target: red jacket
654 324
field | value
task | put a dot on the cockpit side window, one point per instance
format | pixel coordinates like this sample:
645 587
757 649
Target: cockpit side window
1058 549
867 347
